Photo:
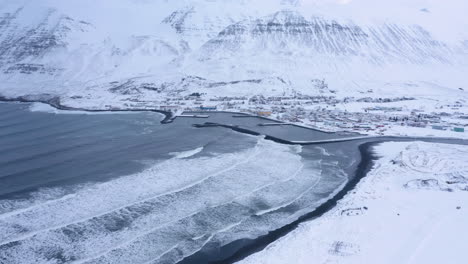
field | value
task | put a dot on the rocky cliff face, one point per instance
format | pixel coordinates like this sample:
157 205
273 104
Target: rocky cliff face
21 46
286 32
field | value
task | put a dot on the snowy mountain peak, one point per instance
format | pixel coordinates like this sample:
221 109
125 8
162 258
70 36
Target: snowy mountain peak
66 47
286 16
288 32
177 19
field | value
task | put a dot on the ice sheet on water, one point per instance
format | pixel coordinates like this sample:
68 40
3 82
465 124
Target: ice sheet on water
172 209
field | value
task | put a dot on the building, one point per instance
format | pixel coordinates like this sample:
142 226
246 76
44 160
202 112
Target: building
208 108
264 113
436 127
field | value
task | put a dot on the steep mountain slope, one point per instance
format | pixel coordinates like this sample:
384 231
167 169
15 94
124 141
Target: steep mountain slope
108 52
287 32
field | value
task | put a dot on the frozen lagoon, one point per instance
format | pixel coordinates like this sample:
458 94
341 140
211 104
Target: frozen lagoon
124 188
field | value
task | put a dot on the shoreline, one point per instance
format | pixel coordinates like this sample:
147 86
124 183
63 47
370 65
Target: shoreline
328 141
55 103
169 117
392 203
240 249
247 115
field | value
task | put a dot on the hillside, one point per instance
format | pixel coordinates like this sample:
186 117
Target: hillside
111 53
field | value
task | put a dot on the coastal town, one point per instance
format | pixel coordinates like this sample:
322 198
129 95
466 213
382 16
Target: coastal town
366 115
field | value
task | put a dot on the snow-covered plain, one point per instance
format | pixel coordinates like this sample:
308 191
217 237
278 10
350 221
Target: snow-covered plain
411 208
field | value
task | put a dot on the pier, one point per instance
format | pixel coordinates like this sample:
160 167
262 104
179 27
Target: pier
194 116
274 124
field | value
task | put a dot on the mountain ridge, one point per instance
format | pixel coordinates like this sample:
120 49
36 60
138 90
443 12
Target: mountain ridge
54 47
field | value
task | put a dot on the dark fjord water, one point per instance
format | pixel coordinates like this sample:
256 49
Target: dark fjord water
122 188
42 149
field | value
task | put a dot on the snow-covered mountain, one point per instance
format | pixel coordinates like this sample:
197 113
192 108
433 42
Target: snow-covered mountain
108 52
